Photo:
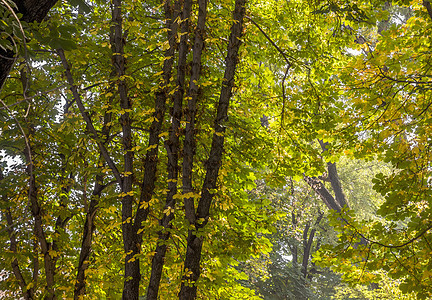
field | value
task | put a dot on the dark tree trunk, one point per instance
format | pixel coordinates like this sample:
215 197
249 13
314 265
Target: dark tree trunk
172 147
330 201
86 241
89 227
49 262
35 207
323 193
334 203
294 248
132 235
307 244
334 179
189 141
132 248
191 268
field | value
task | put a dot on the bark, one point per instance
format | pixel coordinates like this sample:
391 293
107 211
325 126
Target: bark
172 146
294 248
336 185
191 268
132 272
49 262
334 179
307 244
133 236
189 141
34 10
323 193
334 203
31 10
151 159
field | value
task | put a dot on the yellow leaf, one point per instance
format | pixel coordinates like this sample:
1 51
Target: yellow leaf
53 253
169 210
144 205
158 73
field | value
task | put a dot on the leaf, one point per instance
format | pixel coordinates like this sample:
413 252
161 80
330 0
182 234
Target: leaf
81 4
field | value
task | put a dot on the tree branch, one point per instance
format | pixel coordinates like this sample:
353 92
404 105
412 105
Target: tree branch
87 119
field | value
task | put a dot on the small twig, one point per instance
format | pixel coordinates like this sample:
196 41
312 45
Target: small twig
388 246
270 40
37 94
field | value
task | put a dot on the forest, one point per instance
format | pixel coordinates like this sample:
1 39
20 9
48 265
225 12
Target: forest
215 149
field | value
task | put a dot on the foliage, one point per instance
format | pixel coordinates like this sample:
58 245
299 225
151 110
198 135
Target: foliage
145 149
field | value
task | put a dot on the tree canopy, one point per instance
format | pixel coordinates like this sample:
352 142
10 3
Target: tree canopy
215 149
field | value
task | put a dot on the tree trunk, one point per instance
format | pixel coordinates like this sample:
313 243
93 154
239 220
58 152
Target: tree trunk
132 235
189 141
323 193
334 179
86 241
49 262
191 270
173 147
89 226
307 244
294 248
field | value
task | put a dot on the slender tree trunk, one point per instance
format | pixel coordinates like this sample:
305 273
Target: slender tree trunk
87 237
189 141
335 203
194 243
101 140
307 244
132 274
132 235
323 193
294 248
49 262
172 146
48 249
334 179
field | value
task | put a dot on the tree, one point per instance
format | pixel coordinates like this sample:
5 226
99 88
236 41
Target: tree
291 269
385 112
102 140
135 132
